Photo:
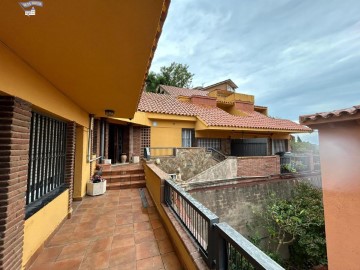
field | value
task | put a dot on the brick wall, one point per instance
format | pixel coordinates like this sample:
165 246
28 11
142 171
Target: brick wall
70 159
244 106
15 117
126 141
258 166
137 141
96 135
106 143
201 100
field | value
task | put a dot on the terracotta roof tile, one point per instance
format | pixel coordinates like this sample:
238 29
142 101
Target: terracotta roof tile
176 91
313 118
213 116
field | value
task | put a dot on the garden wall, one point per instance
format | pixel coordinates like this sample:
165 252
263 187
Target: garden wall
235 204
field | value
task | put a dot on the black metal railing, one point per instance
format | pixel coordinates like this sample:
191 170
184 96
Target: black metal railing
221 246
196 218
47 155
151 152
236 252
299 163
216 154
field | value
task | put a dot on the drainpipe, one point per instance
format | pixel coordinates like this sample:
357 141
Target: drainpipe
102 140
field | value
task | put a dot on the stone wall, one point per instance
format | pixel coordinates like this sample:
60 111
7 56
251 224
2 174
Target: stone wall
191 162
235 204
226 169
258 166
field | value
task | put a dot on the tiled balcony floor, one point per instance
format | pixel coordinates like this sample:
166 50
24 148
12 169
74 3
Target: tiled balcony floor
112 231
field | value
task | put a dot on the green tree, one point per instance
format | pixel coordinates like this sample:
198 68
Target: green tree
297 222
174 75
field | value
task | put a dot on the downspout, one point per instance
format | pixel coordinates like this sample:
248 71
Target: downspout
102 140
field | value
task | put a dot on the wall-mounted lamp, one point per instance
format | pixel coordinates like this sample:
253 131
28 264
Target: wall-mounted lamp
109 112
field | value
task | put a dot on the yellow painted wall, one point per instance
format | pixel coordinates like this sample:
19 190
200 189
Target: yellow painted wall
20 80
154 184
168 133
82 167
41 225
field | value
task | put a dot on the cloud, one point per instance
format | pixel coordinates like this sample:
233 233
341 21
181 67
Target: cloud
296 57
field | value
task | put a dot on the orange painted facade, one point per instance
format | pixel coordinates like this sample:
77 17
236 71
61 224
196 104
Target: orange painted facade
339 153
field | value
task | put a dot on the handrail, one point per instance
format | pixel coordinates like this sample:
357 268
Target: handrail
148 155
196 218
240 252
216 154
218 242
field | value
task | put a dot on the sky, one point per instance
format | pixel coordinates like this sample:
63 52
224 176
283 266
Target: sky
295 56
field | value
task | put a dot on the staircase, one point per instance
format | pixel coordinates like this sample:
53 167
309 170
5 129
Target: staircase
124 176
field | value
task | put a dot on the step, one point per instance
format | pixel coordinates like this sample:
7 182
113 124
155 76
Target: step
127 184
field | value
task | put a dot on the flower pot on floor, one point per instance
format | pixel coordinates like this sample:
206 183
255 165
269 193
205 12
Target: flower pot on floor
94 189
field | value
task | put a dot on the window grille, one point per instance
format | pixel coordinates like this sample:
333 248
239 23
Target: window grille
209 143
47 155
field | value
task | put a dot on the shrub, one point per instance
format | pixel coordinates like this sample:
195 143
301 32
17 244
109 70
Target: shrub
297 222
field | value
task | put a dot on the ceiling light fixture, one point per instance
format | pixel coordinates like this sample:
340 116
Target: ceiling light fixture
109 113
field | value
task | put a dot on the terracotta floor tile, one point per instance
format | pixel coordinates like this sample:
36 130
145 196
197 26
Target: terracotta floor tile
160 233
171 261
122 256
59 240
156 223
146 249
112 231
73 250
124 219
85 226
99 260
152 263
154 216
137 217
142 226
124 229
100 245
165 246
124 266
68 264
48 255
122 241
144 236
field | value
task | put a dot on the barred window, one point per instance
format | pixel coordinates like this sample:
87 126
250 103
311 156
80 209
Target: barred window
47 155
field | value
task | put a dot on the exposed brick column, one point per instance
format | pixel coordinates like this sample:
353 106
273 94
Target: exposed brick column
96 134
70 160
15 117
106 151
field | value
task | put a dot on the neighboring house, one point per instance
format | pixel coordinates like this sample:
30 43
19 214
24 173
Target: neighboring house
69 61
339 134
214 116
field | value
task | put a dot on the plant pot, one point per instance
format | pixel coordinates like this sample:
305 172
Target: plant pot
123 158
94 189
136 159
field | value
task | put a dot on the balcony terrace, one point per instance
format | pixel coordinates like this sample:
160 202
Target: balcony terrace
113 231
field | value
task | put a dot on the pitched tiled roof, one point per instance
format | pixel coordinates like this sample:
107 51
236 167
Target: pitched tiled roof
176 91
313 118
213 116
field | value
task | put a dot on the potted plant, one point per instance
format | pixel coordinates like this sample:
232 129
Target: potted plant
97 184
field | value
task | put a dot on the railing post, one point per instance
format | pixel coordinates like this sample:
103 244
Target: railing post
212 242
221 254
